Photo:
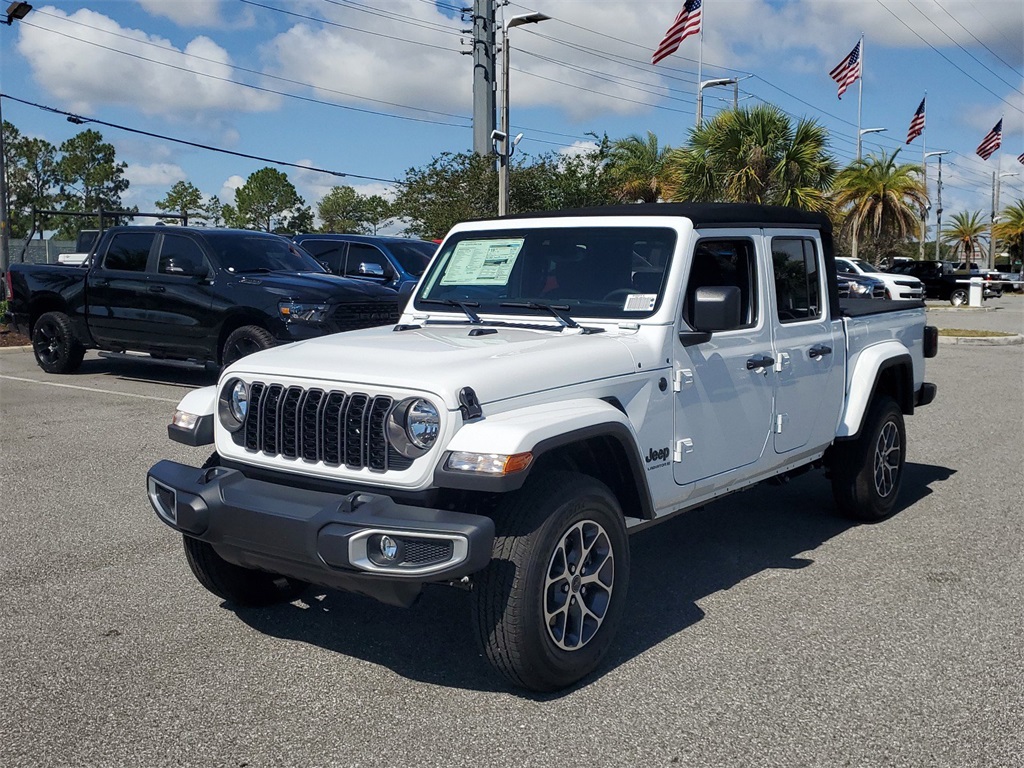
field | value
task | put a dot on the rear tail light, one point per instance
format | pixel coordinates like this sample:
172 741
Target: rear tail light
931 341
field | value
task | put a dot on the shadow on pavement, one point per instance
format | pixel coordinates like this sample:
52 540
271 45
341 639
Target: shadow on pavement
674 565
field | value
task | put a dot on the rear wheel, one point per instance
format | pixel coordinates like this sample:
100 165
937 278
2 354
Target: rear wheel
238 585
867 472
958 297
244 341
54 344
548 605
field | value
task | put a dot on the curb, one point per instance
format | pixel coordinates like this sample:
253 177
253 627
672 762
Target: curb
4 350
983 341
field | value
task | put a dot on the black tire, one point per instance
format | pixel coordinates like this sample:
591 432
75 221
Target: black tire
527 602
241 586
867 472
958 297
244 341
54 344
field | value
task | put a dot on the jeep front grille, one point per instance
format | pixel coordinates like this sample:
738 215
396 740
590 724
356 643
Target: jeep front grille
337 428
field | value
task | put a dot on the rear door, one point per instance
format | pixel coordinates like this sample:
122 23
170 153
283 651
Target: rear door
116 290
808 345
724 388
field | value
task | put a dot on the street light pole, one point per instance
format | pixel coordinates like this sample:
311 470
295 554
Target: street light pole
924 234
503 144
995 216
734 82
938 210
863 131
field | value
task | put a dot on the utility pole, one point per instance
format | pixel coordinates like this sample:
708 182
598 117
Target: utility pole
483 77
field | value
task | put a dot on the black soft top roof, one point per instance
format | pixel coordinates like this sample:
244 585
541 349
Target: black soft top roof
703 214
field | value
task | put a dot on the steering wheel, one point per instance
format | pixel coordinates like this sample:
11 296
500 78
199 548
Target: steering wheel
620 293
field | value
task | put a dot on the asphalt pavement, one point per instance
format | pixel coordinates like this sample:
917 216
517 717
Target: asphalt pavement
762 630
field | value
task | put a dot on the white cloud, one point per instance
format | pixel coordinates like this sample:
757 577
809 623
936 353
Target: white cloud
86 60
157 174
198 13
227 189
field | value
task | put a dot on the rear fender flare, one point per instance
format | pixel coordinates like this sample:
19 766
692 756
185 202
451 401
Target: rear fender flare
870 366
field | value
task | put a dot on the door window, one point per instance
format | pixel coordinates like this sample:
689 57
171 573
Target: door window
129 251
180 256
797 279
361 253
724 262
330 253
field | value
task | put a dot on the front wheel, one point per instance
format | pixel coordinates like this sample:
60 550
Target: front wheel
54 344
867 472
547 606
958 297
244 341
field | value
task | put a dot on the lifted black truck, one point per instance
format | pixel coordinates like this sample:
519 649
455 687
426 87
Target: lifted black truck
179 293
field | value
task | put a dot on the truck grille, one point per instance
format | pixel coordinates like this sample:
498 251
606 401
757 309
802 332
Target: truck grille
354 316
337 428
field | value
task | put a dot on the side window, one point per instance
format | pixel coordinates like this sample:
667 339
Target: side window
329 252
180 256
797 279
129 251
724 262
361 253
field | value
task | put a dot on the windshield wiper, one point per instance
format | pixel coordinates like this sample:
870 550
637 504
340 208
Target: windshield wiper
559 311
463 305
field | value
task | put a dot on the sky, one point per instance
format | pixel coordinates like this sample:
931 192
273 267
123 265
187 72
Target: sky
372 88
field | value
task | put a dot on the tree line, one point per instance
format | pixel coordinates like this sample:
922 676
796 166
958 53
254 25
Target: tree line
755 155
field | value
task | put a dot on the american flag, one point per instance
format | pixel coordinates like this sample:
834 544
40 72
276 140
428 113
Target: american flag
847 71
991 142
687 23
1020 158
916 123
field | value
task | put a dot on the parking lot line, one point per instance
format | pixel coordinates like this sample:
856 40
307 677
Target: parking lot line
89 389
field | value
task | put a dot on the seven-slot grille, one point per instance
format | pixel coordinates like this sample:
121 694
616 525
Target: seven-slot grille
337 428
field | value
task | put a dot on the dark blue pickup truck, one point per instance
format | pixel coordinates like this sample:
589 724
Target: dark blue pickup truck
180 293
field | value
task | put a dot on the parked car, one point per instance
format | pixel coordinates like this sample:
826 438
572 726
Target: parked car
390 261
941 281
560 380
854 286
180 293
896 286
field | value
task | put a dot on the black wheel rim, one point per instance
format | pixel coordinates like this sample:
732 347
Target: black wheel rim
578 585
47 343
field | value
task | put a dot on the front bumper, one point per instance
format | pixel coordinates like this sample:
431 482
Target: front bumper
330 539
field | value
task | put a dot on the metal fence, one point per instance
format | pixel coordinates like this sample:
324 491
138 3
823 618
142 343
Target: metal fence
40 251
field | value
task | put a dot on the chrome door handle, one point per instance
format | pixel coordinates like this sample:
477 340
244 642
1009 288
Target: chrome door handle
157 289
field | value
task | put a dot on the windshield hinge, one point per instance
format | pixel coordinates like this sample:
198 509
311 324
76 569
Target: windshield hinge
683 378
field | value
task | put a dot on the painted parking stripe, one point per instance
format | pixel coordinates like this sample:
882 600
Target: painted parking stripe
91 389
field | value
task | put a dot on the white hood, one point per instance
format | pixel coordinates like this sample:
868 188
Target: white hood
444 359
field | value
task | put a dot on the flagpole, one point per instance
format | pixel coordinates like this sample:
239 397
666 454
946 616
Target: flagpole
924 172
995 203
860 100
700 63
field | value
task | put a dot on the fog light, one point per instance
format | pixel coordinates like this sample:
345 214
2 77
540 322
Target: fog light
388 548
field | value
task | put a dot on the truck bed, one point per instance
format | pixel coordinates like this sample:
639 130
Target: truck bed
864 307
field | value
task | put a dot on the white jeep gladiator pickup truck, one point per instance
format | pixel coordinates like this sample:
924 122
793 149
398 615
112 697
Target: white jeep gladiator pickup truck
556 382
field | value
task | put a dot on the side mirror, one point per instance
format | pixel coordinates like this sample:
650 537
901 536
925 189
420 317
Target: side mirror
716 308
370 269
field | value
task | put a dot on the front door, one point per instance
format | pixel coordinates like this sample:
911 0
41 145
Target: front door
179 298
723 408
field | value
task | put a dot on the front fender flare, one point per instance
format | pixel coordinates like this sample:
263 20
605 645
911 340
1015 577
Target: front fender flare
202 403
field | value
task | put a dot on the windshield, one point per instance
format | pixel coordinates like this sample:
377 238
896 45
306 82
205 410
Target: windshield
615 272
256 253
862 265
413 255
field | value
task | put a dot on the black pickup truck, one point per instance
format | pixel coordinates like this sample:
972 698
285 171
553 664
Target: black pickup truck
943 281
179 293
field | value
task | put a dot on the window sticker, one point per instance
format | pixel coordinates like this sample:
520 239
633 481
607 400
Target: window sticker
640 302
482 262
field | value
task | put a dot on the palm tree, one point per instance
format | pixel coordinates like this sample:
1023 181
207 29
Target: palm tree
966 234
754 155
1010 229
636 167
881 201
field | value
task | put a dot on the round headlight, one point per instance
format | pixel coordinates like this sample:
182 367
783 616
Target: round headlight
233 404
413 427
239 401
422 424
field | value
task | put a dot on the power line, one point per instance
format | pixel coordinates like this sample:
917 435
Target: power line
979 42
78 119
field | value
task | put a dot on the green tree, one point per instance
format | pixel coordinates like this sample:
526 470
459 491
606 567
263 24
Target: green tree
753 155
267 201
89 178
183 198
31 178
966 234
637 167
1010 229
881 201
450 189
212 212
378 213
552 181
343 210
